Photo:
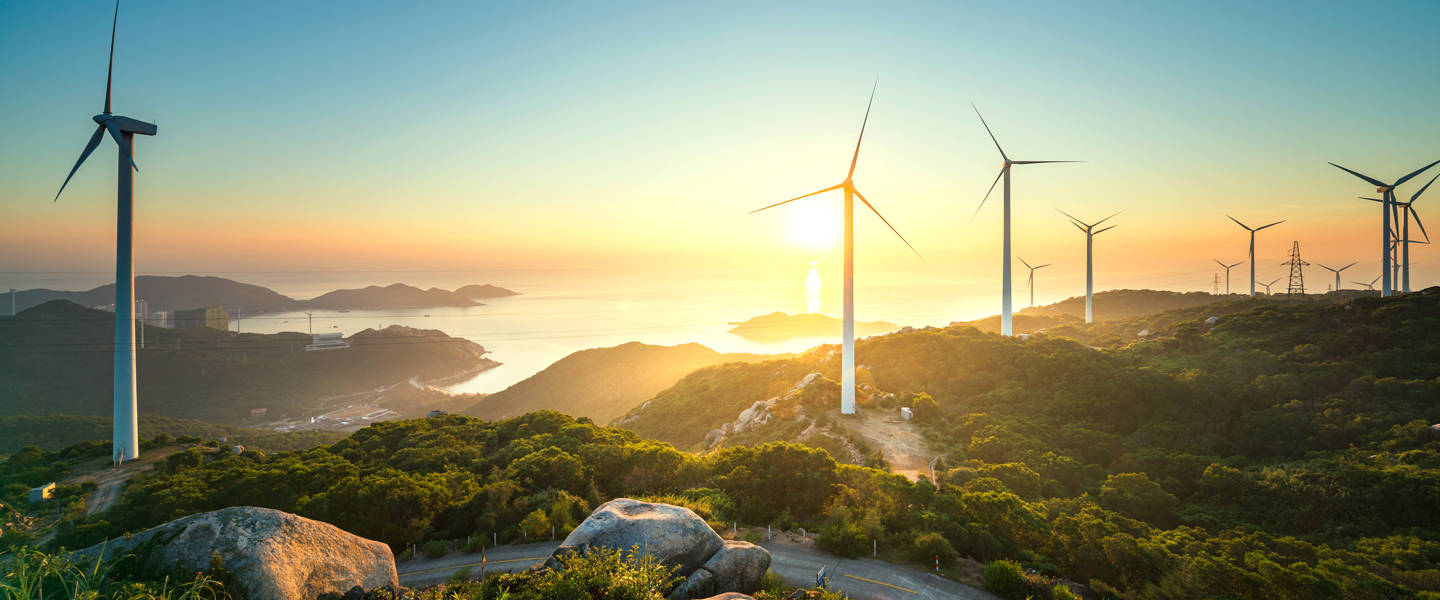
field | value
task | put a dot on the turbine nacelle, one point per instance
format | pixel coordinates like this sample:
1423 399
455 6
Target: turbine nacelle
126 124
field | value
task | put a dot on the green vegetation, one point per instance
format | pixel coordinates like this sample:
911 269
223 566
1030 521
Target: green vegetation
712 396
54 432
32 575
603 383
1123 304
57 359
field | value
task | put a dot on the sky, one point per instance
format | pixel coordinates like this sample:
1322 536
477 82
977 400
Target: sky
468 136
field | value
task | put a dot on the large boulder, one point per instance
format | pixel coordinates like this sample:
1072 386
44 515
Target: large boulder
272 555
675 537
738 566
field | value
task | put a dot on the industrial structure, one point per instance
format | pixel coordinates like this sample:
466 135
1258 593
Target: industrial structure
213 317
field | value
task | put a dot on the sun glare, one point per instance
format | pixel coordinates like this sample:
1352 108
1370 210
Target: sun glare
813 225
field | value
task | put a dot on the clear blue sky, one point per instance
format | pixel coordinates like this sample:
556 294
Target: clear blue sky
370 135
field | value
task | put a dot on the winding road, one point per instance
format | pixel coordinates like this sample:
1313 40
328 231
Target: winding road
862 579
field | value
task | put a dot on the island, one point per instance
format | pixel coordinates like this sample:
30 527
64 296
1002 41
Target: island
779 325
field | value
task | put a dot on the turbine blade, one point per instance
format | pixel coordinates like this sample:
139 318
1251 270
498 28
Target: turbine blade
1027 265
90 147
1237 222
1270 225
1422 190
1109 217
1412 175
1348 266
1219 263
1372 199
1422 225
856 158
1041 162
887 223
987 194
833 187
1371 180
1326 268
992 134
1077 226
1105 229
1044 265
120 140
110 72
1072 218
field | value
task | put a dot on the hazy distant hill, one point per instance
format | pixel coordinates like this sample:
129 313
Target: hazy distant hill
1120 304
190 291
782 325
53 432
484 291
604 383
57 358
1023 323
167 293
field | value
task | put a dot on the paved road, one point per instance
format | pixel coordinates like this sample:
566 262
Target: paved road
862 579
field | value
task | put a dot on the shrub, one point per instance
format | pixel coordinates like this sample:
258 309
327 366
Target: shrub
1062 592
1004 577
475 544
844 539
436 549
927 546
753 537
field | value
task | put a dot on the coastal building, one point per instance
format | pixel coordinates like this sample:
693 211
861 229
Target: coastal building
328 341
42 493
213 317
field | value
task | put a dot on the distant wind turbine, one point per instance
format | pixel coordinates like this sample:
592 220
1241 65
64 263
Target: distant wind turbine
1335 271
1090 234
1388 190
1267 286
1005 311
847 361
1227 273
1031 284
125 439
1369 286
1252 248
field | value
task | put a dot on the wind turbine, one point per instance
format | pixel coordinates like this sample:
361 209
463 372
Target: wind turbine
125 440
1005 317
1227 274
1031 284
1335 271
1369 286
1400 240
847 360
1388 190
1252 248
1267 286
1090 234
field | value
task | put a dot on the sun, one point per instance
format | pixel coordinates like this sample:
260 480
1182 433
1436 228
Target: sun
813 225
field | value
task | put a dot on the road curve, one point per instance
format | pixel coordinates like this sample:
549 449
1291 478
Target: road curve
862 579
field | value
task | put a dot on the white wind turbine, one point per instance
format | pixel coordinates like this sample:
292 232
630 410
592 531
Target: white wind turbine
1031 283
1267 286
1227 274
1252 248
1368 286
847 361
125 443
1387 287
1005 310
1090 234
1335 271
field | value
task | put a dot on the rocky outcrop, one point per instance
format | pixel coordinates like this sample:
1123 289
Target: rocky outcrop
675 537
272 555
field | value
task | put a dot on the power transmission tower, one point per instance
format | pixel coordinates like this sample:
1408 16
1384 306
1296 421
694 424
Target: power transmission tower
1216 290
1296 292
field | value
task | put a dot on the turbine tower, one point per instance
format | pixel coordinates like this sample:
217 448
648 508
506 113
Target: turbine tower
1335 271
1090 234
1252 249
125 440
1031 284
1388 190
1005 311
1227 273
847 361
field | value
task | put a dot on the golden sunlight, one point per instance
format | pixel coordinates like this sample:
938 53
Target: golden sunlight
813 225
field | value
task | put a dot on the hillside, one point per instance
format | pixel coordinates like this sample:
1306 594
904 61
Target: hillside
603 383
779 325
1121 304
58 359
55 432
189 291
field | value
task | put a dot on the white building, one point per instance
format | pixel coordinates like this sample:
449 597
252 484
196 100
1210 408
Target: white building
328 341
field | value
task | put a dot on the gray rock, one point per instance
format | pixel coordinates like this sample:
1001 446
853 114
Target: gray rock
738 566
730 596
273 555
674 535
699 584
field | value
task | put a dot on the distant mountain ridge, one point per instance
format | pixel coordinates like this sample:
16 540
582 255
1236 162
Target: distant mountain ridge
779 325
1123 304
189 291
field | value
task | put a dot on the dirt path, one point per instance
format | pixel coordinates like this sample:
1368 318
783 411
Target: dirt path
907 451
